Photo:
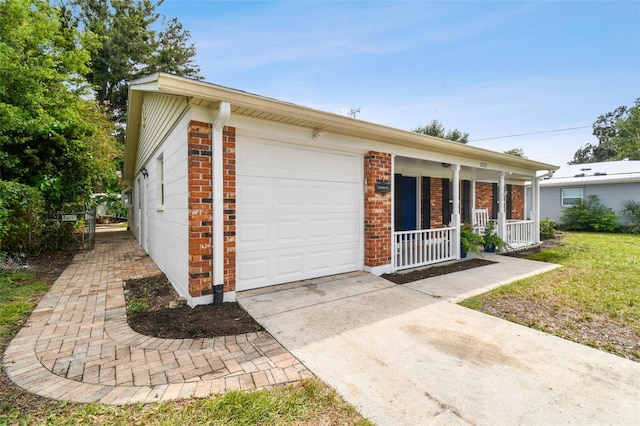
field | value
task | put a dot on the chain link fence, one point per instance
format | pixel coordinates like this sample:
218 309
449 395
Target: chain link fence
67 230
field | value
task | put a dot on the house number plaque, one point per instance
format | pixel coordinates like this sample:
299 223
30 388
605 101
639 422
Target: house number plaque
383 187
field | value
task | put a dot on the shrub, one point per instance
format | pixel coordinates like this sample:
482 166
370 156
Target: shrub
21 220
632 210
589 215
58 235
547 228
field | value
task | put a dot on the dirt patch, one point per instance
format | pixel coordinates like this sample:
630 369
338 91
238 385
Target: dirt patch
591 329
48 267
545 244
434 271
148 313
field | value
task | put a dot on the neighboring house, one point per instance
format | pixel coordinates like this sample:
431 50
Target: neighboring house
614 182
231 191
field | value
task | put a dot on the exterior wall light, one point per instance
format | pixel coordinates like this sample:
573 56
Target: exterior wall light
145 172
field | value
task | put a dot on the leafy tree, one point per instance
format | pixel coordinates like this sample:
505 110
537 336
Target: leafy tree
618 134
435 128
46 124
517 152
130 46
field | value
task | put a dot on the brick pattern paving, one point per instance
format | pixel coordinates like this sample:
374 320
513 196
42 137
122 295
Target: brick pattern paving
78 346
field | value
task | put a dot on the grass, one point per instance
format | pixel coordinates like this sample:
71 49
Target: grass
306 402
600 278
136 305
19 294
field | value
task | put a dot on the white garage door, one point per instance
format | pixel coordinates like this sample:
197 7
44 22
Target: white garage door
298 213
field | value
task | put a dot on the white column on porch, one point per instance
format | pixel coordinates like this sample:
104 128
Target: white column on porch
502 217
535 208
455 215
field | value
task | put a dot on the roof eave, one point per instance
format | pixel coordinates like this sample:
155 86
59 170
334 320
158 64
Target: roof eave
322 120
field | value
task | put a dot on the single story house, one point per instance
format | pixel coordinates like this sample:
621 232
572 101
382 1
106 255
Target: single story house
232 191
614 182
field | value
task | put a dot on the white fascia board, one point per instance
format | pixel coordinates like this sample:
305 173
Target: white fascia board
464 154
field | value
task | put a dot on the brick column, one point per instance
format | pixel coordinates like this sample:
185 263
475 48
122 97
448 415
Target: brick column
517 202
436 203
229 215
377 211
200 194
484 196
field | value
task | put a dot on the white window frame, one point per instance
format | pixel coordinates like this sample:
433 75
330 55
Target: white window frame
563 197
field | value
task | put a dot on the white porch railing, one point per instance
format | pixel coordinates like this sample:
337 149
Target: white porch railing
423 247
519 234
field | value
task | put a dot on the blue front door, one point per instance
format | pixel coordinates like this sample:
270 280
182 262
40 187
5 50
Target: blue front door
405 200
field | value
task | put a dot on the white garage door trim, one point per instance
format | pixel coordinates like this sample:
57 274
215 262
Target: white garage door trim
299 212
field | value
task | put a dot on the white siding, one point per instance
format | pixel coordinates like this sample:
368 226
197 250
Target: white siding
166 228
610 195
160 113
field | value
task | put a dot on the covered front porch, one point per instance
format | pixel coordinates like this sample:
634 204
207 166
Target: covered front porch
433 200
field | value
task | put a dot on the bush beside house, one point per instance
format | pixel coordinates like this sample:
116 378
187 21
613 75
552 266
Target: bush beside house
21 217
590 215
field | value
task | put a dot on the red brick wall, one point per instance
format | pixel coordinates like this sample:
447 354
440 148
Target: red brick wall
484 196
200 209
377 210
517 202
200 171
229 214
436 203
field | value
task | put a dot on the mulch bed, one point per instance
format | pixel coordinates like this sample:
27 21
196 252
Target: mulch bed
434 271
156 319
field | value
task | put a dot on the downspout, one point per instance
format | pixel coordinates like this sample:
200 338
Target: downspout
220 120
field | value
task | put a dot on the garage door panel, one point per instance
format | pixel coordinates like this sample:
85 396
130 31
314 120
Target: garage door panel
253 233
252 195
290 232
274 196
253 270
262 232
268 267
298 213
255 158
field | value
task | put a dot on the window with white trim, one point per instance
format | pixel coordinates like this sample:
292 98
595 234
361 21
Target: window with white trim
571 196
160 172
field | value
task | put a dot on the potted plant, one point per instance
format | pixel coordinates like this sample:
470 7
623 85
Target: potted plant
469 241
492 241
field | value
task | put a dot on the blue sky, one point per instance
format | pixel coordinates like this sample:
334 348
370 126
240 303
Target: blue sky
488 68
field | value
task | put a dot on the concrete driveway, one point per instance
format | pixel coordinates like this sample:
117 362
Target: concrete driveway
408 355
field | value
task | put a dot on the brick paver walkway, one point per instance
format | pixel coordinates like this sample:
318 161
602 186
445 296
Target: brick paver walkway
78 346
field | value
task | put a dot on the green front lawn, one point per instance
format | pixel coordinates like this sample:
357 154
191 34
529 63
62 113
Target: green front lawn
598 289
